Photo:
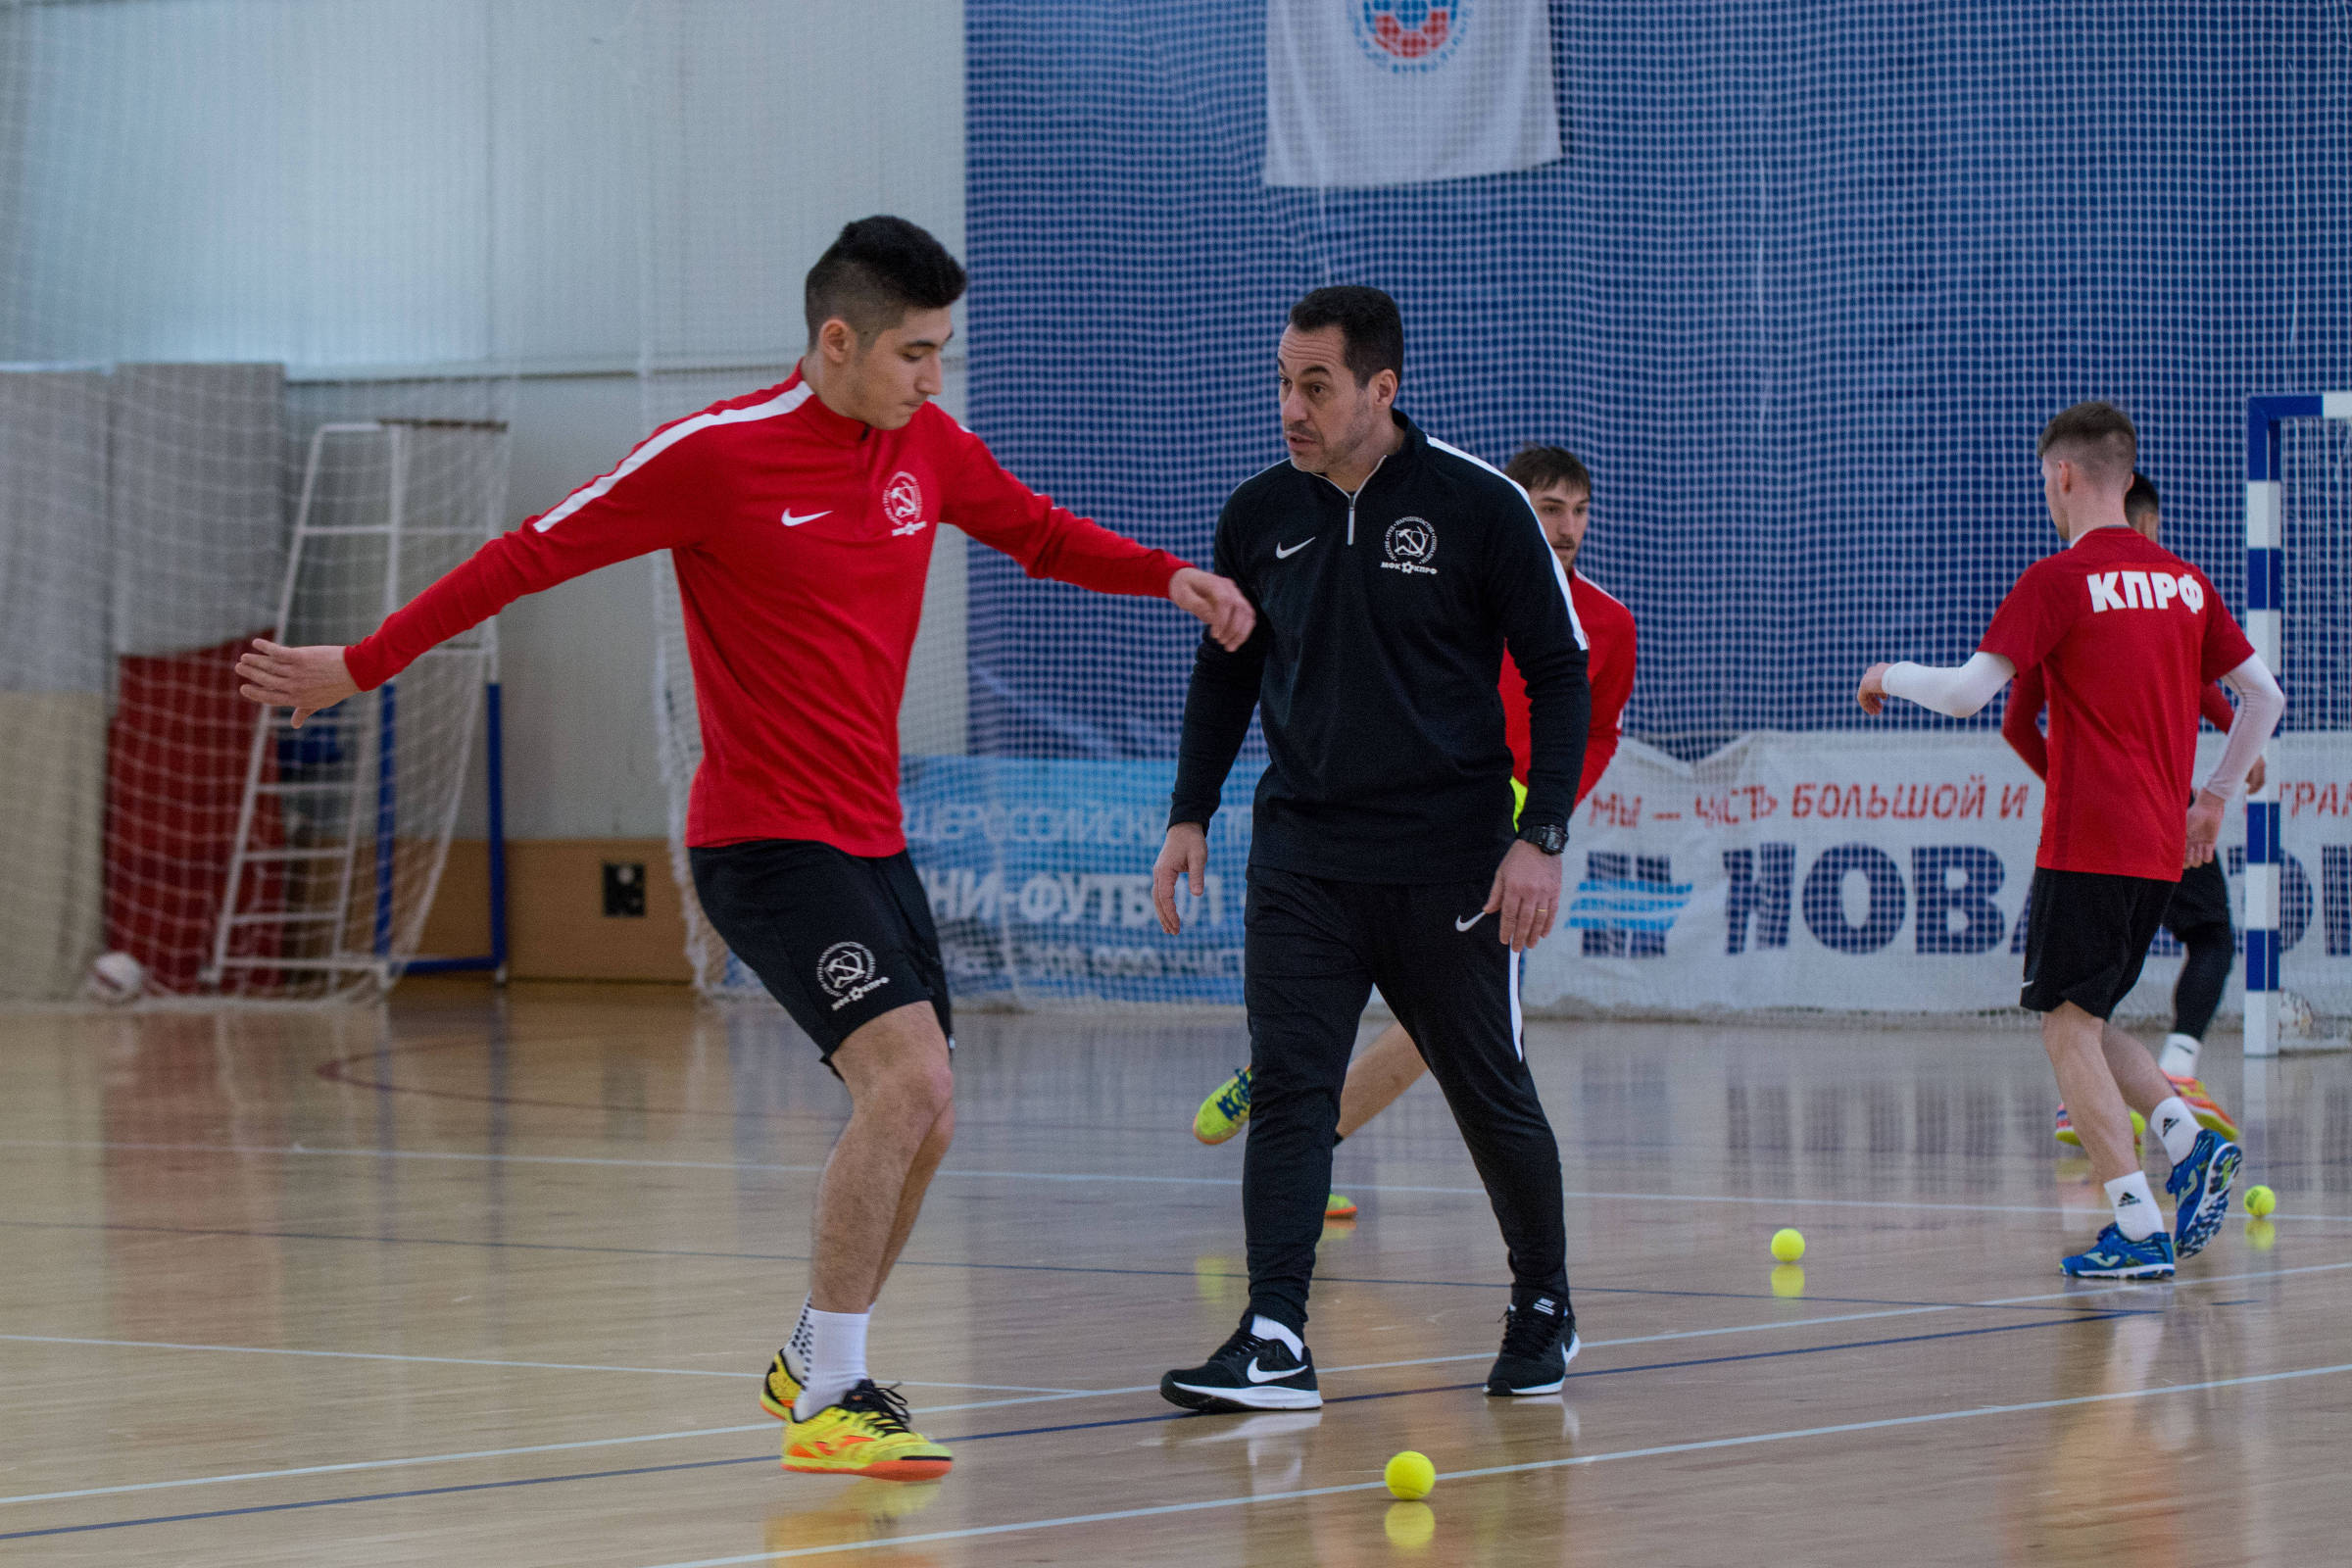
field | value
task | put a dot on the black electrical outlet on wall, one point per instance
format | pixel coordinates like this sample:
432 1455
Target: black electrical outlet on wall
624 890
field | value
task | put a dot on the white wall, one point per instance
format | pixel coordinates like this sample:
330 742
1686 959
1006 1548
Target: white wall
563 190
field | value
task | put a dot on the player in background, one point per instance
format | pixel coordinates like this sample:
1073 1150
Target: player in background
800 520
2126 633
2199 911
1559 485
1391 572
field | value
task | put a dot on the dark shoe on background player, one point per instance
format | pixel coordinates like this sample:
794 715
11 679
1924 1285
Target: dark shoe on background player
1223 1113
1246 1373
1539 1340
2112 1258
2199 1187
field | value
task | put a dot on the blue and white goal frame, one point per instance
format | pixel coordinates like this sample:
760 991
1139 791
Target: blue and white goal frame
2265 604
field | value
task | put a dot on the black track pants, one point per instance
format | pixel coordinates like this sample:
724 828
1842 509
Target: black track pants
1314 950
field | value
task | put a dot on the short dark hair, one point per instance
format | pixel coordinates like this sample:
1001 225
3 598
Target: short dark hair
2140 499
1368 322
2097 435
1540 467
877 270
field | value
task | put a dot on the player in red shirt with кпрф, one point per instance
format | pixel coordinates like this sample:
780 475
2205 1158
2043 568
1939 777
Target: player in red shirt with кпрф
1560 487
2124 634
2198 912
800 520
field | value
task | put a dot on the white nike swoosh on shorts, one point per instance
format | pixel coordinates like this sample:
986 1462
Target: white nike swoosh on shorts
1464 925
791 521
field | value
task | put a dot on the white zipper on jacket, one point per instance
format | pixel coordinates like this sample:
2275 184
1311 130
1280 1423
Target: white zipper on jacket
1352 494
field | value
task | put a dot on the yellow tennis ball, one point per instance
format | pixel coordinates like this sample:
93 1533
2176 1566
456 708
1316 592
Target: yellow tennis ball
1410 1475
1787 1243
2140 1124
2260 1200
1410 1526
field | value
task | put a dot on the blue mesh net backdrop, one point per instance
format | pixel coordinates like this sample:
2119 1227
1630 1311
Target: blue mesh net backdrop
1801 290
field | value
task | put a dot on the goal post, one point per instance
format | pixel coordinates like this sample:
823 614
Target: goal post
2270 418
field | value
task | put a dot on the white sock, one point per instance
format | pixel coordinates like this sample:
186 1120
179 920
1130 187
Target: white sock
2135 1212
2180 1057
2175 1127
836 1359
1265 1327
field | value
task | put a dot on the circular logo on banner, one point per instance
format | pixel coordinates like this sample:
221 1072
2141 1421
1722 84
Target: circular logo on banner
1410 34
845 967
903 500
1412 542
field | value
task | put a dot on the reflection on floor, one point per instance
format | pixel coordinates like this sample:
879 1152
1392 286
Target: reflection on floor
468 1282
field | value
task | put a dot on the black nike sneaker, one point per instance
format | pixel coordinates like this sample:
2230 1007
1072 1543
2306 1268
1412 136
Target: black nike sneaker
1246 1373
1539 1340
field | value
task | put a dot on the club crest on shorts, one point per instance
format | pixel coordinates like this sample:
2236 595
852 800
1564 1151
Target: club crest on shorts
902 504
1409 35
1411 545
847 972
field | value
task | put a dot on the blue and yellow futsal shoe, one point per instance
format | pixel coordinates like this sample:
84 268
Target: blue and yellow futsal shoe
2199 1187
1222 1113
2112 1258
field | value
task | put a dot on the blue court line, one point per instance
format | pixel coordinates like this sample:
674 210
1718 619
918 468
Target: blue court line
916 1262
1031 1431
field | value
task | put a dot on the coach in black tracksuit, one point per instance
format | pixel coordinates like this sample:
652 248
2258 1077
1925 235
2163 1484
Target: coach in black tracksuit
1389 573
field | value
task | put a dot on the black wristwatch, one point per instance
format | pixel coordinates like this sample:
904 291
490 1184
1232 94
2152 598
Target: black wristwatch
1549 836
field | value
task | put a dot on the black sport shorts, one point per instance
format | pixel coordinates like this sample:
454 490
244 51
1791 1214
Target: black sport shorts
2200 902
2087 936
839 939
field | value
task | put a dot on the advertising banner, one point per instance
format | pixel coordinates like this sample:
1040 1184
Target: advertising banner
1835 870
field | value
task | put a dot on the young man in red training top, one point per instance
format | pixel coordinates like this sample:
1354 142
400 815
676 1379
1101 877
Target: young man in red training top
2199 911
1561 488
800 520
2126 634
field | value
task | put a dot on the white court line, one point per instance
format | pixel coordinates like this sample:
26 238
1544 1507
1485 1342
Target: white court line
463 1361
1046 1398
1088 1178
1662 1450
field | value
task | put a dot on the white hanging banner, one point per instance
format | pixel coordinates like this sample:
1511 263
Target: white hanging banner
1395 92
1854 872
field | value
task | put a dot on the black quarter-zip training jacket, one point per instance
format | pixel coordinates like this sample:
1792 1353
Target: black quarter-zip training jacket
1382 621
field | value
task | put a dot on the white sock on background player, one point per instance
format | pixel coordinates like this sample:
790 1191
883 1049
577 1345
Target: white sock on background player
2135 1212
836 1359
1265 1327
2180 1057
2175 1127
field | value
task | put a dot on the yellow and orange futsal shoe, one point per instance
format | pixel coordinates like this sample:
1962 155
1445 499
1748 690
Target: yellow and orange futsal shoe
864 1434
2201 1104
1339 1205
781 1386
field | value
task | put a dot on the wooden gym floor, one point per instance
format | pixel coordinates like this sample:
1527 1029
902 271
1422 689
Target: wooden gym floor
461 1282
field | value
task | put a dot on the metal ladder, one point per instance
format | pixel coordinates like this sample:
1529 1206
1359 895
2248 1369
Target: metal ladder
340 857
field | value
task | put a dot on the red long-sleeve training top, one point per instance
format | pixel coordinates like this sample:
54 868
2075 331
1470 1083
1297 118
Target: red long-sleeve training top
801 538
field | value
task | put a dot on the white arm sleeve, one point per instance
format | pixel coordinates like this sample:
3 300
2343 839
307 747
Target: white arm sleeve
1958 691
2260 704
